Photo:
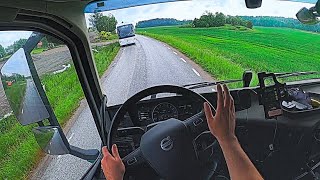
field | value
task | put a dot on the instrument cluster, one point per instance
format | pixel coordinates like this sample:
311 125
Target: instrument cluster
153 113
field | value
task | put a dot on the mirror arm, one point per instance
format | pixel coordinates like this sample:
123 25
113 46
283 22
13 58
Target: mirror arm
28 47
87 154
32 42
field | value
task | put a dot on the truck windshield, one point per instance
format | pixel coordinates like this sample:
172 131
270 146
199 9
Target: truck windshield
125 31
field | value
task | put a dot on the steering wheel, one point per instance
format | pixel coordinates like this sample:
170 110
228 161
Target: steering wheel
169 147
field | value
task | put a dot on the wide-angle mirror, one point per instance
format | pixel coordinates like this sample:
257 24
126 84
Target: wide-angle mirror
50 140
21 91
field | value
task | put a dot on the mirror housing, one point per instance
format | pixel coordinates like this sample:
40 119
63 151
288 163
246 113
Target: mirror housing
306 16
50 140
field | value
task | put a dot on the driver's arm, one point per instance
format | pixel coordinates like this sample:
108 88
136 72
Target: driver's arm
222 126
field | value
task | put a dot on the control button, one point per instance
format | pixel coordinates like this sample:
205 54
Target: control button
197 122
132 161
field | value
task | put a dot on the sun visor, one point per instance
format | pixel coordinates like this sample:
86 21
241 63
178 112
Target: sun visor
8 14
108 5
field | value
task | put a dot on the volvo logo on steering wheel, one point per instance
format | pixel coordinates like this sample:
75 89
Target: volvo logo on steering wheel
166 144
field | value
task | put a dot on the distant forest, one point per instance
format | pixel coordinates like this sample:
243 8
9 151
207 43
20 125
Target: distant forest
162 22
266 21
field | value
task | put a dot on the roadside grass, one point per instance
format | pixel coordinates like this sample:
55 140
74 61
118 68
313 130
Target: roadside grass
5 58
16 92
226 52
104 58
111 36
38 50
19 151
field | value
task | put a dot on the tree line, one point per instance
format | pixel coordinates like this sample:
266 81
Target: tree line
12 48
270 21
161 22
209 19
47 42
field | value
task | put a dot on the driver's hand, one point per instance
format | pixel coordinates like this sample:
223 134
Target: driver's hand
222 125
112 165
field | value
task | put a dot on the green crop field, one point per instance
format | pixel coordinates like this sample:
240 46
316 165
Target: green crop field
19 152
226 52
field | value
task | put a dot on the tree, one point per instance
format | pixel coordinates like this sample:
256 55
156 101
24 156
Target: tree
249 24
106 23
103 23
2 52
220 19
93 19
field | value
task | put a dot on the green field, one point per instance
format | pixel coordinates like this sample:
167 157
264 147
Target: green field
19 152
38 50
226 52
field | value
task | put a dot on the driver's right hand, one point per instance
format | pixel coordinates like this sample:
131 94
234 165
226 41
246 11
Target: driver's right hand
222 125
112 165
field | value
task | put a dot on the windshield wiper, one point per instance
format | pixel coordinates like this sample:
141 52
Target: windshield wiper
291 74
206 84
246 80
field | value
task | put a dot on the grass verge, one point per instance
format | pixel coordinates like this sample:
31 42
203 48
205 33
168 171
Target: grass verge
19 152
16 93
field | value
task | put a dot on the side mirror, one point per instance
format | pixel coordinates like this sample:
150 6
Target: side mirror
50 140
30 105
306 16
21 90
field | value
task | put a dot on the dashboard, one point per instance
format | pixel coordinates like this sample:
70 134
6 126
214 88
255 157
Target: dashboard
149 112
152 111
264 140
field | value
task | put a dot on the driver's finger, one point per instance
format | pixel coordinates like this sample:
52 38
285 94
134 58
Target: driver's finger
105 152
219 97
115 152
208 112
227 97
233 107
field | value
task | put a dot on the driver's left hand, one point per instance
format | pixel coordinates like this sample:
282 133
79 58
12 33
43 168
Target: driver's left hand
112 165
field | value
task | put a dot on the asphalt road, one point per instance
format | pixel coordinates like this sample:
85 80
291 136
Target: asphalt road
32 107
4 104
136 67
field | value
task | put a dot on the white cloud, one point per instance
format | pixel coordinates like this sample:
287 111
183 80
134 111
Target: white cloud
191 9
7 38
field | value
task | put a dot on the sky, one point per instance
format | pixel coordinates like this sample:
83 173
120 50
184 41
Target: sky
8 37
17 64
184 10
191 9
